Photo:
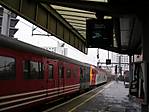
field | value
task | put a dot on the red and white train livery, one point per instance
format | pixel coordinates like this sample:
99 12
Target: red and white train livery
30 76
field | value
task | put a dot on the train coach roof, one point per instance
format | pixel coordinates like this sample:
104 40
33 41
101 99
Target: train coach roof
7 42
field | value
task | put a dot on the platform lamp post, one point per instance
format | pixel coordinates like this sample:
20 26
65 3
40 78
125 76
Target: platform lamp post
108 54
5 22
98 58
120 68
108 61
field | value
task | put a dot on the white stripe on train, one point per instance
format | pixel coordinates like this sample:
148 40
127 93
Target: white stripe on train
33 92
59 92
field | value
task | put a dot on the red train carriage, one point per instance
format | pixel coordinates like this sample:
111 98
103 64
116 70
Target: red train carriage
31 75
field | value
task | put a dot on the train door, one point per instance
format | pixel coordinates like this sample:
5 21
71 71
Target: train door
81 78
61 78
52 79
68 79
71 84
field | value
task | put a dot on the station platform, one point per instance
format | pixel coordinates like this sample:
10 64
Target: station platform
112 97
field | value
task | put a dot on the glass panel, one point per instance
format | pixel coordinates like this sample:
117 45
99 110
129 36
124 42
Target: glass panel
51 71
75 71
33 70
68 73
61 72
7 68
81 74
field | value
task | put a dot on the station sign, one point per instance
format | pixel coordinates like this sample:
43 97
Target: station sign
99 33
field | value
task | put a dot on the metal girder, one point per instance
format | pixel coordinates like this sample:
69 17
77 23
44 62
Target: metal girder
45 17
106 8
79 4
135 42
112 7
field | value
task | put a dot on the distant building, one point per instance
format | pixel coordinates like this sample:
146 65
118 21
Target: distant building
121 62
138 58
59 49
8 22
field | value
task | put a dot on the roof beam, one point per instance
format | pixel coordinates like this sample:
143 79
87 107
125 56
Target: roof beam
66 9
74 18
113 7
77 15
45 17
77 22
78 4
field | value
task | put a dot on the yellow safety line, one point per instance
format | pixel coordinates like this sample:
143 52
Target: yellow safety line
88 99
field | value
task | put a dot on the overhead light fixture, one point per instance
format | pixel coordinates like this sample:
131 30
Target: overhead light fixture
97 0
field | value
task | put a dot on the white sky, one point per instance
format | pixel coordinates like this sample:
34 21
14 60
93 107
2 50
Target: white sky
25 34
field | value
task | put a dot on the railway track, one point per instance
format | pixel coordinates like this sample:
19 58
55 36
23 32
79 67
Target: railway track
71 104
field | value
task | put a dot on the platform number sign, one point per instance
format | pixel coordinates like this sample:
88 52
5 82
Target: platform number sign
99 33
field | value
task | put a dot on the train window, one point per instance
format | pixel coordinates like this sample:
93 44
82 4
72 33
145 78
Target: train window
75 71
61 72
81 73
68 72
87 76
7 68
33 70
50 71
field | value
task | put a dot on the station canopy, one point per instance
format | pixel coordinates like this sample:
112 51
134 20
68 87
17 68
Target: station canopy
67 20
77 18
126 37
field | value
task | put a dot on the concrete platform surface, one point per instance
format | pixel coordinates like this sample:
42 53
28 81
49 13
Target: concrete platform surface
113 98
